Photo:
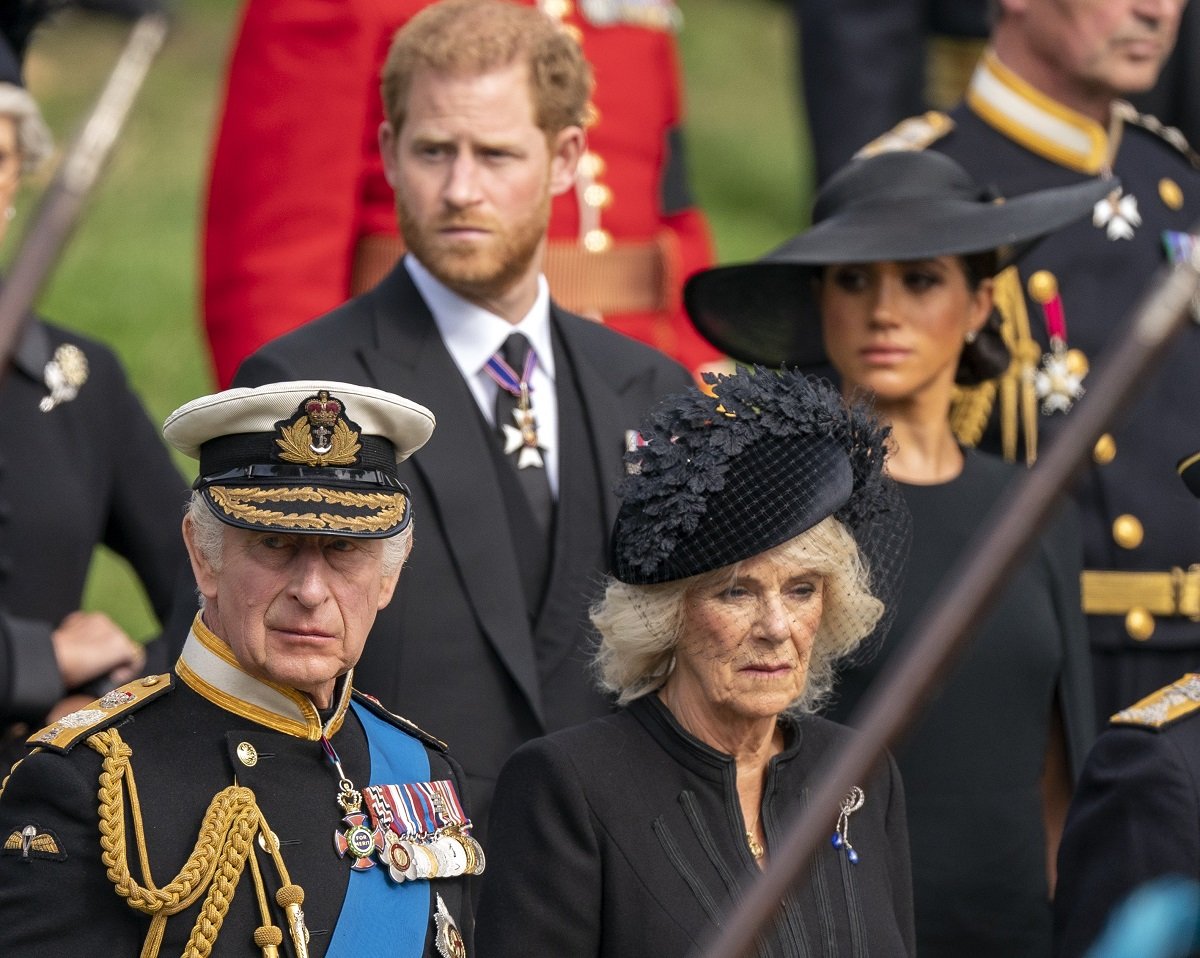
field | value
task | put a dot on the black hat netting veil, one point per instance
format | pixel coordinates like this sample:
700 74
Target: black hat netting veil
737 507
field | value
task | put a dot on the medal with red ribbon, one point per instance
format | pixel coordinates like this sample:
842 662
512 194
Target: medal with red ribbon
1058 381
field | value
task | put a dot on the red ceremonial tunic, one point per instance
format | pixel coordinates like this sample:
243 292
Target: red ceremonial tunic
297 192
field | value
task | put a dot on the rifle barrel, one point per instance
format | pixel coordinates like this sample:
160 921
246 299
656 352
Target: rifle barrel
60 207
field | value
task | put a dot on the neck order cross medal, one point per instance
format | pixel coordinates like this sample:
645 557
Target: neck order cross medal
523 437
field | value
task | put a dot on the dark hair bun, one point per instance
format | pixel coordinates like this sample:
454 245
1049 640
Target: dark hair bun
985 358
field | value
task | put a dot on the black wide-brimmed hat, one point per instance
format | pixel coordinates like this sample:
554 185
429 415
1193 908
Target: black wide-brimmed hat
307 457
893 206
721 477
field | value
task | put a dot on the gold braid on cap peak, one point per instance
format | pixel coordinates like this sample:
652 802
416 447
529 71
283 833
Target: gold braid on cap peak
213 869
240 504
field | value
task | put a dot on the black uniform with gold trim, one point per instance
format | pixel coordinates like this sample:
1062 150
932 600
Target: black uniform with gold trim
142 769
1135 815
1141 531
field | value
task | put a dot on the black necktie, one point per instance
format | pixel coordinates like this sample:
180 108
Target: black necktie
509 420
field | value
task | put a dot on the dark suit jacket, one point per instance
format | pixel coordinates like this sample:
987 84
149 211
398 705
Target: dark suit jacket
456 650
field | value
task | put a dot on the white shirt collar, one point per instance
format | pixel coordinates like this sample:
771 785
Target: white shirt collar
473 334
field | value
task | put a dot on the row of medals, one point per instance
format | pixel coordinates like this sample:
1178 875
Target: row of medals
445 855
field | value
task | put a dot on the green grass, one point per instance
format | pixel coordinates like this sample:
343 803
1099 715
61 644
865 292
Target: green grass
749 149
129 276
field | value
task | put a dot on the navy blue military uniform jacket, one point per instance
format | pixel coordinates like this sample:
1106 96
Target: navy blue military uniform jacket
1135 815
1139 524
189 738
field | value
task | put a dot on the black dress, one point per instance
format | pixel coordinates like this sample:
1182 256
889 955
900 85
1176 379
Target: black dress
972 764
624 836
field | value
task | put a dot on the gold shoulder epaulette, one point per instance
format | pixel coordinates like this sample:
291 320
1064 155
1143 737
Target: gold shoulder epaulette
62 735
407 725
1164 707
1129 114
915 133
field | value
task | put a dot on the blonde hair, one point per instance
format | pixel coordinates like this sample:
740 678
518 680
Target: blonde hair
472 37
640 625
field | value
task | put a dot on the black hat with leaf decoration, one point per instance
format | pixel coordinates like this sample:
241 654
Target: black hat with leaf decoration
718 478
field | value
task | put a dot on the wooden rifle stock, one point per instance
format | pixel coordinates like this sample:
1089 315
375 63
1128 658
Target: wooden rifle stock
889 709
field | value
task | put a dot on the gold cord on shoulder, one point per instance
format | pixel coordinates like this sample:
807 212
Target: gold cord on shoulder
213 869
1012 390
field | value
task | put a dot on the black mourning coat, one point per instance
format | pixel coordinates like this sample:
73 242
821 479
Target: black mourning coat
459 649
91 471
625 837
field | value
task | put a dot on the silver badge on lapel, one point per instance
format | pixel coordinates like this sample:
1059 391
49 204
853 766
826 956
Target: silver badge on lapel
64 375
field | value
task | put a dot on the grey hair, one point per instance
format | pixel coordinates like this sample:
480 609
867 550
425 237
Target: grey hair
34 141
208 534
640 625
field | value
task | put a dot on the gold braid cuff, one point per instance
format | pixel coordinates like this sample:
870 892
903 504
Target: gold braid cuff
213 869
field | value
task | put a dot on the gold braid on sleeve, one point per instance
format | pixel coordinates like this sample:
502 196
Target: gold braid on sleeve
213 869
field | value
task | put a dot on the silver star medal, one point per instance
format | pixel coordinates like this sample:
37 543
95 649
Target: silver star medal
523 435
448 939
1117 214
1058 386
66 372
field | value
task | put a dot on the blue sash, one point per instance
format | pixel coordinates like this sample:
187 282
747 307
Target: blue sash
378 916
